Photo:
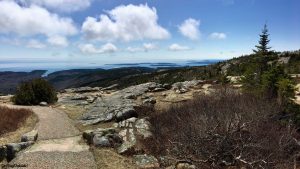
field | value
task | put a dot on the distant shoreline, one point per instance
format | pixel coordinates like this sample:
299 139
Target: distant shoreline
55 67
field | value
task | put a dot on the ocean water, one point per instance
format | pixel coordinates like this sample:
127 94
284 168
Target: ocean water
58 66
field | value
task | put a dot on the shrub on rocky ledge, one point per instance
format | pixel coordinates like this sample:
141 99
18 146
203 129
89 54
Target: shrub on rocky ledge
33 92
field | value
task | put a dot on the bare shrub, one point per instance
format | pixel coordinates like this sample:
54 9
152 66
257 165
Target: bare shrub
226 129
11 119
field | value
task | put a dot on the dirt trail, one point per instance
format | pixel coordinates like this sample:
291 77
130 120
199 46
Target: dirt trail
58 146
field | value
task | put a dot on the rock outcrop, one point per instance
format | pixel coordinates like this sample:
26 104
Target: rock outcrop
131 130
13 148
119 105
183 87
30 136
103 137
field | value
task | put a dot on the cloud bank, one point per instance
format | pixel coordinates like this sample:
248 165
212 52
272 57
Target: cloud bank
33 20
125 23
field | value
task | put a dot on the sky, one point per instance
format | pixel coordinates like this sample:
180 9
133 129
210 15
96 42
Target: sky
125 31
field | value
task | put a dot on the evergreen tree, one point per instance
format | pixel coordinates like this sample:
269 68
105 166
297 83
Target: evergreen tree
262 47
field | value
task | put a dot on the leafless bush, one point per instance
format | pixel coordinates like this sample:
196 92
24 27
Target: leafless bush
11 119
227 129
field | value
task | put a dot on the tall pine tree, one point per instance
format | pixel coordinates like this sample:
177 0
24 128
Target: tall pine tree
262 47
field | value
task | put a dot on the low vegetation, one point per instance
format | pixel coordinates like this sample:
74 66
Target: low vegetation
11 119
33 92
225 129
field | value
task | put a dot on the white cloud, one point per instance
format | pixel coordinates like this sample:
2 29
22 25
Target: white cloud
60 41
176 47
145 48
60 5
91 49
33 43
149 46
134 49
218 35
33 20
190 29
125 23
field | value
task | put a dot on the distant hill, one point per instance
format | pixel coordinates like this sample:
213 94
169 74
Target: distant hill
92 77
10 80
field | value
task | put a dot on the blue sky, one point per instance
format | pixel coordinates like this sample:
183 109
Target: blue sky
138 31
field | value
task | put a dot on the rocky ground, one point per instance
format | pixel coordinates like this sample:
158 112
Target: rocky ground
112 123
97 128
101 127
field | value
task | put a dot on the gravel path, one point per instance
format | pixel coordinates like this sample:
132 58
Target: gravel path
59 144
54 124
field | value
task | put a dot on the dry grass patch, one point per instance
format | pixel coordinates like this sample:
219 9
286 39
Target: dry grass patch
14 123
11 118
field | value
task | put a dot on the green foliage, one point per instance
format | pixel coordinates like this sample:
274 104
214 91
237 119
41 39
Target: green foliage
270 79
286 90
292 112
262 47
250 82
272 83
293 66
224 80
33 92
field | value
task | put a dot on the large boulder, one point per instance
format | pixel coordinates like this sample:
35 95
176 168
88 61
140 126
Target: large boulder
3 153
125 114
132 129
127 148
43 104
101 141
129 144
88 135
14 148
186 85
143 127
103 137
30 136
